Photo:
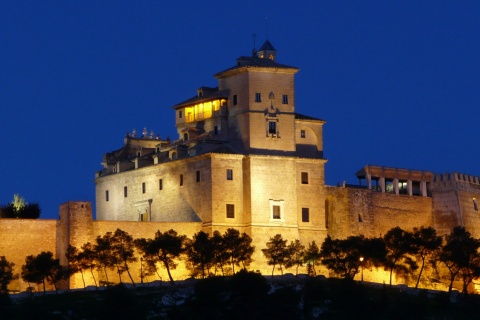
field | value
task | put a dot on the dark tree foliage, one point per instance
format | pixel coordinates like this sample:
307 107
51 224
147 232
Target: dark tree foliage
73 258
460 256
6 274
296 255
28 211
43 267
343 256
104 256
200 254
312 258
220 255
123 251
149 257
276 252
87 259
238 248
425 245
399 244
168 246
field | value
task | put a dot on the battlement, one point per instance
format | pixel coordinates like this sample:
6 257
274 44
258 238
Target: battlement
454 176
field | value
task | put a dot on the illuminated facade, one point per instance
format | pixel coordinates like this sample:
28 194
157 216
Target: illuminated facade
243 158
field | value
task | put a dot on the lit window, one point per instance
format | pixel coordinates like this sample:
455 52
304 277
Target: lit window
181 180
197 176
272 127
258 97
143 187
475 207
230 211
125 192
284 99
229 174
235 101
305 215
304 177
302 133
160 184
276 212
106 195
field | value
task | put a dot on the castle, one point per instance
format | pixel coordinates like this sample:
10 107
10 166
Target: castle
245 159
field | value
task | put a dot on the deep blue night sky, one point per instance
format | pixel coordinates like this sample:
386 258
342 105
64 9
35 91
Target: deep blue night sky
397 81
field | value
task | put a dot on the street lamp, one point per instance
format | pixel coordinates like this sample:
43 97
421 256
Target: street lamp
361 266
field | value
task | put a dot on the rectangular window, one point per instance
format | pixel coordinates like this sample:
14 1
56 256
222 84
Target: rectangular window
229 174
125 192
284 99
304 177
180 114
235 101
143 187
302 133
230 211
360 217
258 97
160 184
181 180
106 195
215 130
197 177
475 207
305 215
272 127
276 212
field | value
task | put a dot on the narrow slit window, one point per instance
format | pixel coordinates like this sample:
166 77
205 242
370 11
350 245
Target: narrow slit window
475 206
305 215
144 187
125 192
230 211
106 195
197 176
258 97
181 180
160 184
304 177
229 174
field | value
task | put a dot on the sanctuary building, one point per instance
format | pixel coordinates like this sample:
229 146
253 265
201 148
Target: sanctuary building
244 159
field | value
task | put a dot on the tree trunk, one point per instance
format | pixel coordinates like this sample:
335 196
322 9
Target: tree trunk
83 279
43 280
93 276
128 272
165 263
391 272
420 273
273 269
106 274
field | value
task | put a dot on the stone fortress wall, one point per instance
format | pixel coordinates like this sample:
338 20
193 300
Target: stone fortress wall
348 211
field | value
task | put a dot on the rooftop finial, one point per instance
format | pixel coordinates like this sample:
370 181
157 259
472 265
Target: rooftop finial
266 27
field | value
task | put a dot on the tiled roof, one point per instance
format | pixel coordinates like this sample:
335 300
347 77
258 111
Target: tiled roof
304 117
256 62
267 46
209 97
